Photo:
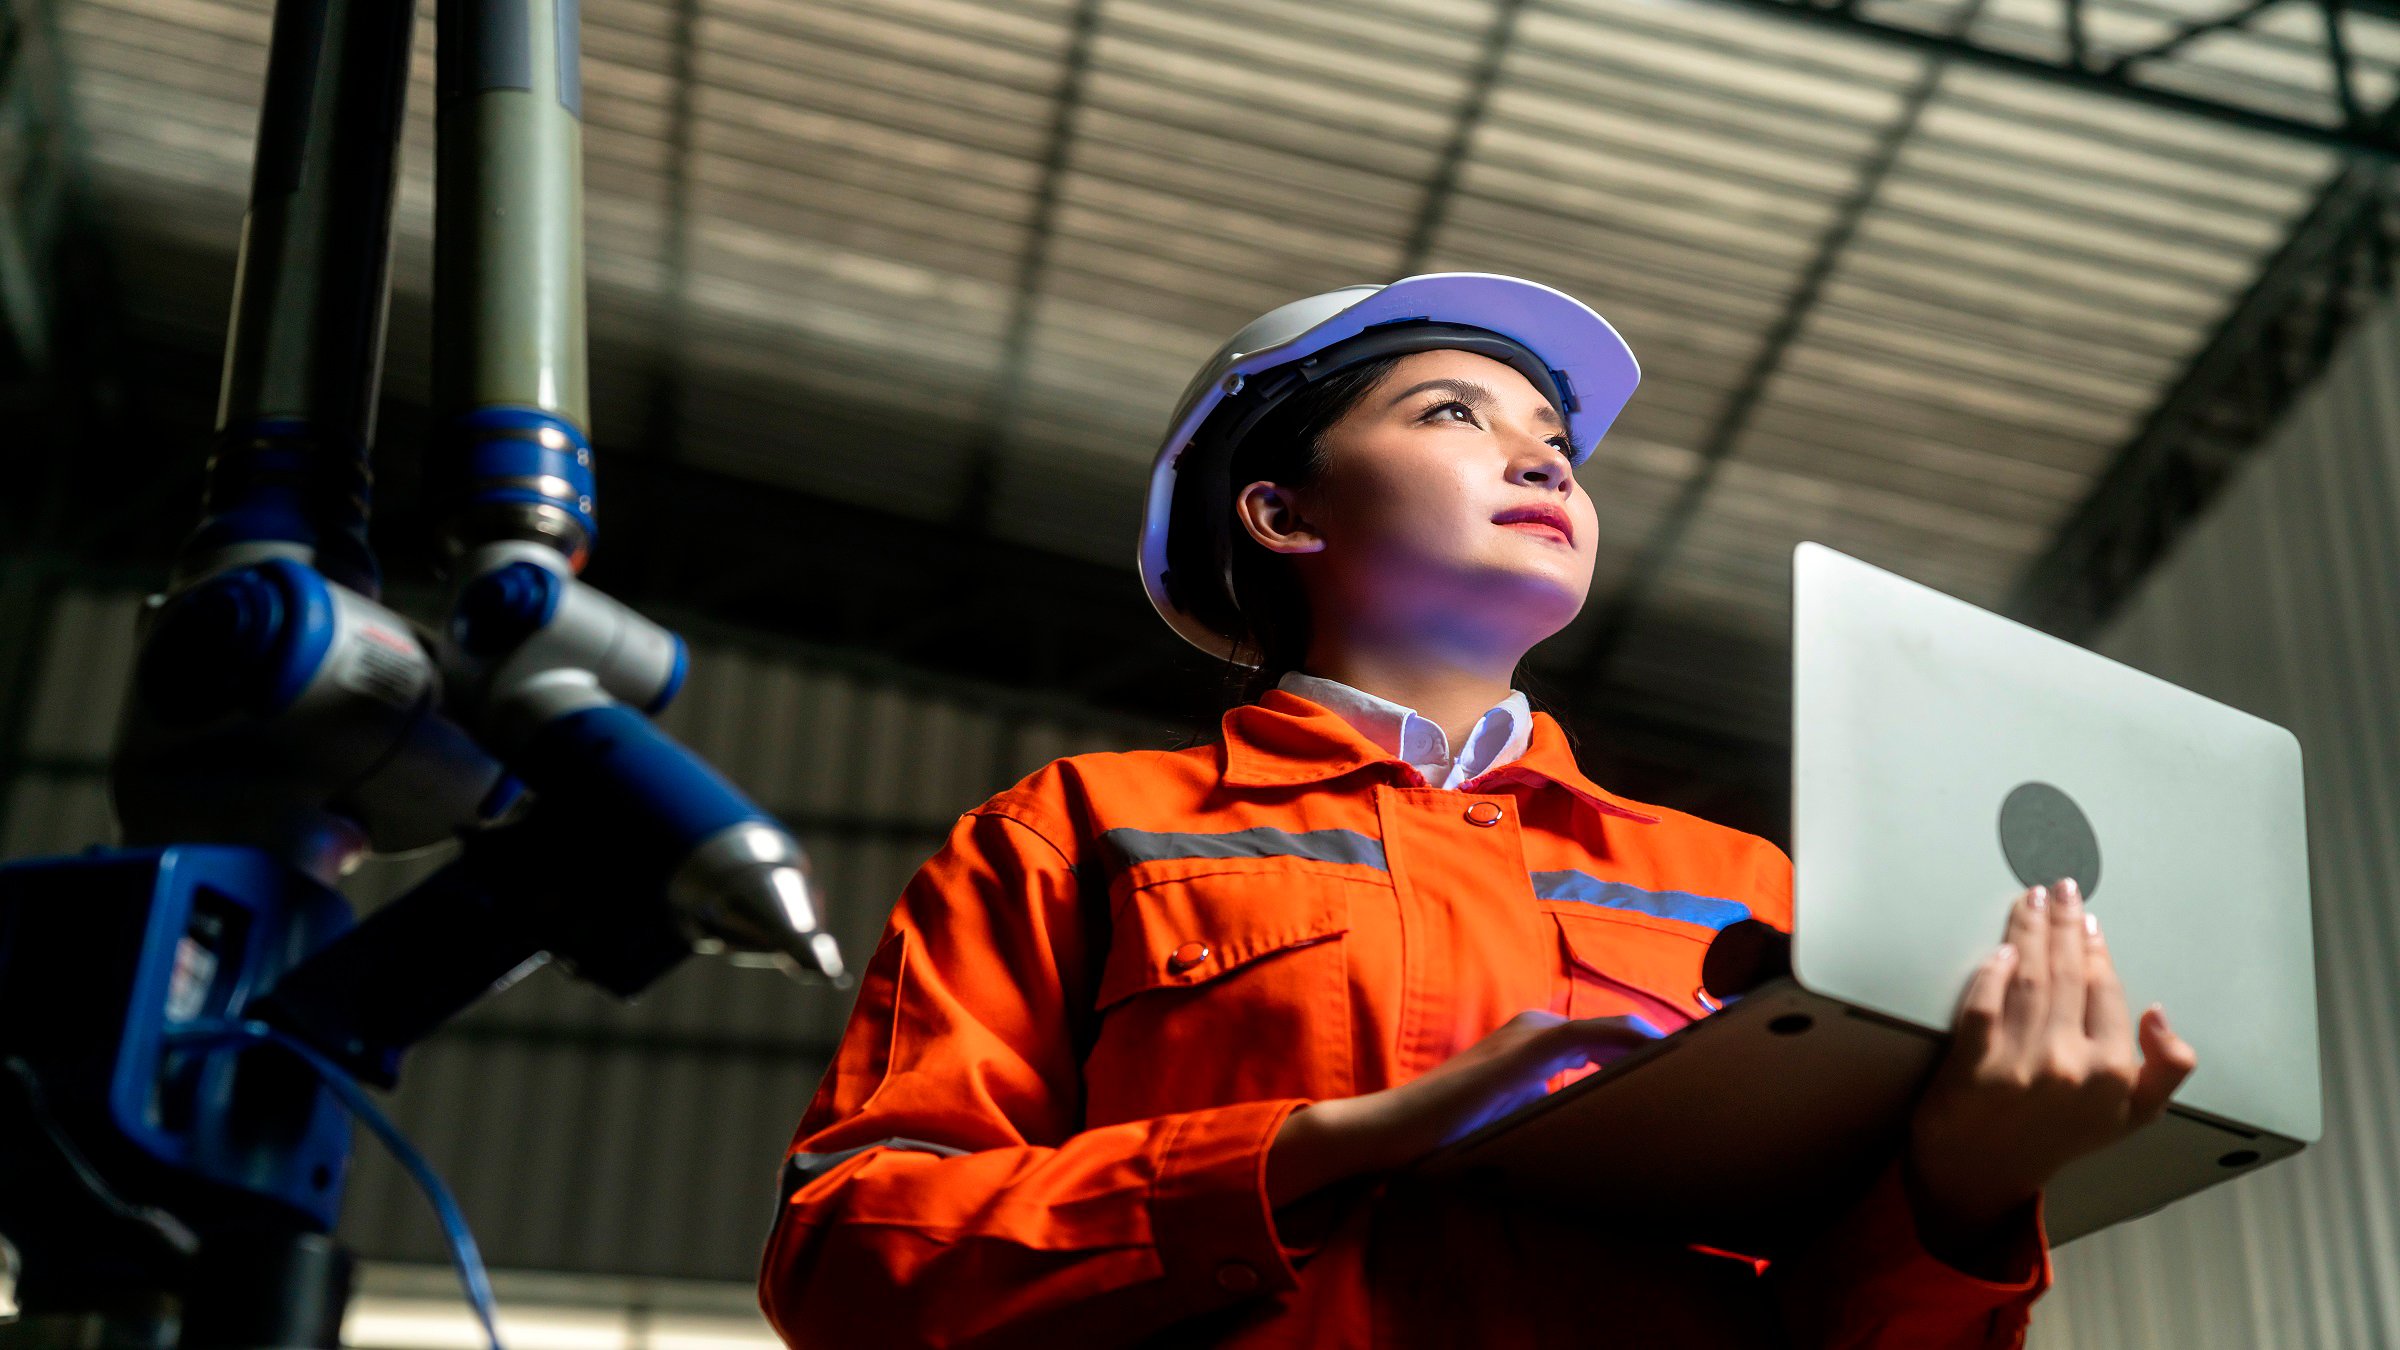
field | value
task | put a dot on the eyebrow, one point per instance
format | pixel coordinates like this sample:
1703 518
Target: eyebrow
1472 394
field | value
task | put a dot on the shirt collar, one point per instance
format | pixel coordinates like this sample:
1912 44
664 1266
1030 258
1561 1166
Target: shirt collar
1497 737
1284 739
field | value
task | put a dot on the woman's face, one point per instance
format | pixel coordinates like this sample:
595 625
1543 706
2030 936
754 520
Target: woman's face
1438 516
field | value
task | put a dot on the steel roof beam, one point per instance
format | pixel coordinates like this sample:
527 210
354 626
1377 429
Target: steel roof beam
971 518
2377 141
2268 347
1615 619
1443 183
2185 34
1041 231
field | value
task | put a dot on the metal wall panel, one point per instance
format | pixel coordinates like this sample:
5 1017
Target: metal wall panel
2285 602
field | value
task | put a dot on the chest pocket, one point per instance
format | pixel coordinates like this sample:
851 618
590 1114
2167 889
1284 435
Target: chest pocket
1621 964
1627 963
1223 983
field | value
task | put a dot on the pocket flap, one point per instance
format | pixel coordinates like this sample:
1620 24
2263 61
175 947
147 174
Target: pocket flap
1653 956
1188 930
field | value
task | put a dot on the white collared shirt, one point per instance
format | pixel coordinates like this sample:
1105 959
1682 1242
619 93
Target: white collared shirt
1500 735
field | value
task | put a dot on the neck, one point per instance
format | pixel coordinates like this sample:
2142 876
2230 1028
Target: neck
1451 691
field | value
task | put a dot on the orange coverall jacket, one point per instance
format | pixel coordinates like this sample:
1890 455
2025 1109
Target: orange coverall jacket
1048 1118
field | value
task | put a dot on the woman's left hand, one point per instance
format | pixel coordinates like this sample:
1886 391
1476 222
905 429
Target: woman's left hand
2042 1069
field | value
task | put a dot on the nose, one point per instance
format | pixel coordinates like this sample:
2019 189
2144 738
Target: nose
1537 463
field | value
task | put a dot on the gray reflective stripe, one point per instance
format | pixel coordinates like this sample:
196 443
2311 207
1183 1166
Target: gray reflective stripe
1705 910
802 1168
1336 846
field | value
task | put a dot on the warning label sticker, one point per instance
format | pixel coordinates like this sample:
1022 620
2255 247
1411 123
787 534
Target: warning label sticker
385 667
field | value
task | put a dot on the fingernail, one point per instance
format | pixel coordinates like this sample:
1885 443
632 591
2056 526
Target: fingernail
2038 897
2006 953
2069 888
2091 925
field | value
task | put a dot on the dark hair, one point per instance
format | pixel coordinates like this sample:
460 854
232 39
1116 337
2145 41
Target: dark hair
1287 448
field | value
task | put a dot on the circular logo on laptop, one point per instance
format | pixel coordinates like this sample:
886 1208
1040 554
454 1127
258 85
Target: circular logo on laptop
2045 837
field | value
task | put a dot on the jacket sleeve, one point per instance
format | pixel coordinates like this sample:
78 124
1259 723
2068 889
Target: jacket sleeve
1867 1282
941 1190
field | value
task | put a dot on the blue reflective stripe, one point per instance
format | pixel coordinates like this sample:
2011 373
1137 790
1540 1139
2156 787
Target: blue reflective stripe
1704 910
799 1169
1339 846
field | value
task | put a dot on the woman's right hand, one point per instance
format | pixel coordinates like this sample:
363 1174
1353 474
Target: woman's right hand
1335 1140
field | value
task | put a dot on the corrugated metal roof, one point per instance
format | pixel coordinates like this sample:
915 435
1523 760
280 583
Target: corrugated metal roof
877 241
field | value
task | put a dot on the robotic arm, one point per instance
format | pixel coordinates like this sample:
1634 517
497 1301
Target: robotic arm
166 1184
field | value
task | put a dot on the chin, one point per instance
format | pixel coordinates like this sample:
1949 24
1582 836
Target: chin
1478 597
1543 602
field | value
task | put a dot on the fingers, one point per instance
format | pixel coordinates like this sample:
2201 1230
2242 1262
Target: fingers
1980 1007
2105 1018
2027 1009
2069 938
2167 1059
1627 1027
1594 1040
1629 1031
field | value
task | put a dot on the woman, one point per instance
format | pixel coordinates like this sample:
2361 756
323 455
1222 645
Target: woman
1147 1046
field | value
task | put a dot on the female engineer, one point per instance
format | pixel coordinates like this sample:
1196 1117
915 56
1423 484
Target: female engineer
1146 1048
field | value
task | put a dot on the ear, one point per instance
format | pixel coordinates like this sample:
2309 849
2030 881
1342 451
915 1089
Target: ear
1271 513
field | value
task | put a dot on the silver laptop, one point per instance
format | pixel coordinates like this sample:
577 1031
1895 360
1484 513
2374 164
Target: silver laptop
1943 758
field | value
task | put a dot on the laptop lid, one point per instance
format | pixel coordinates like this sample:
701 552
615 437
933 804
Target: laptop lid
1944 758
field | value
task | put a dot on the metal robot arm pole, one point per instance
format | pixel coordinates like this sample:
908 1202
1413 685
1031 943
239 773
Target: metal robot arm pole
632 852
304 353
514 459
551 674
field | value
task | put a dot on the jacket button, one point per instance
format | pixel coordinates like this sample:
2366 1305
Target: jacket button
1485 813
1187 956
1237 1277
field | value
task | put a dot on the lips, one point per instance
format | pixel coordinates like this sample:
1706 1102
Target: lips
1535 519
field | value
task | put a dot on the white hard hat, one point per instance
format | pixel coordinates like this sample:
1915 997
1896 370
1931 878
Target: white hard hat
1569 352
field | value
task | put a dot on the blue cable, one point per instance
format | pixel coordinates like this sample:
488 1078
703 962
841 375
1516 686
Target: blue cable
463 1253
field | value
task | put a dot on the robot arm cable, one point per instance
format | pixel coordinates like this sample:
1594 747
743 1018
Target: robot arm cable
463 1252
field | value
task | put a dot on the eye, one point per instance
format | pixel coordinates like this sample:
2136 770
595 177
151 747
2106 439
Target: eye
1447 405
1563 446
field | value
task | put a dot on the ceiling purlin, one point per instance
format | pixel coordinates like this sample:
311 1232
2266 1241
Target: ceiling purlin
1615 618
971 519
1442 186
2246 373
2346 127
